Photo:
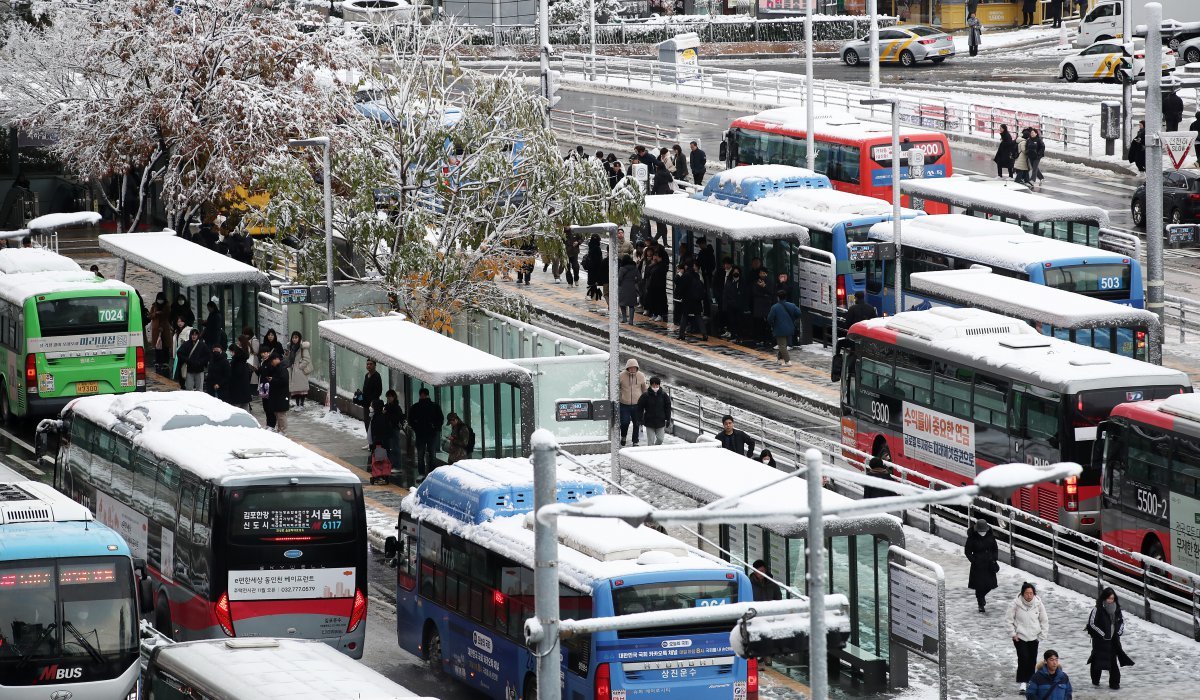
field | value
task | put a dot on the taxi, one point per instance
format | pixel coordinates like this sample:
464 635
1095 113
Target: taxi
1105 59
904 45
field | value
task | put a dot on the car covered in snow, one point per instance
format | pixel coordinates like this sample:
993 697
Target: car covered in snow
1105 59
903 45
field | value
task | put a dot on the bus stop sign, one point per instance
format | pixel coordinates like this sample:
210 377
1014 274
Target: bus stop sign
870 251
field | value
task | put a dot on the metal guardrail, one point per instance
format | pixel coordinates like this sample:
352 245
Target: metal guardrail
1161 593
1121 242
769 87
610 129
1183 313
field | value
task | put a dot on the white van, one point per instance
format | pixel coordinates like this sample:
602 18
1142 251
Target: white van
1104 20
261 668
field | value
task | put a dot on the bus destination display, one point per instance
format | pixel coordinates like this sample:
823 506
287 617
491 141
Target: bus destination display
283 521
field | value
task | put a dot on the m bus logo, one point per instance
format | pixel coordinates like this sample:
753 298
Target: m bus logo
54 673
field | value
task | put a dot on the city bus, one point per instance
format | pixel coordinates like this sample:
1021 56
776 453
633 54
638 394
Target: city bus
244 532
959 242
855 154
464 589
1013 203
950 392
64 335
1150 497
68 602
1085 320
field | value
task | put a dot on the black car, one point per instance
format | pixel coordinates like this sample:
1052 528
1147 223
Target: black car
1181 198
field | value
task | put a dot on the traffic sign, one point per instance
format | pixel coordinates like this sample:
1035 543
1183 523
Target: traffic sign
1178 145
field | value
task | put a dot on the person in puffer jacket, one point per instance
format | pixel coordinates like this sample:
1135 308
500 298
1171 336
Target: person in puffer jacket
1027 625
1049 681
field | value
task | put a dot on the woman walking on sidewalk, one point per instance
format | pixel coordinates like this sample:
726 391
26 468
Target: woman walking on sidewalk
1027 625
1106 625
1006 152
982 552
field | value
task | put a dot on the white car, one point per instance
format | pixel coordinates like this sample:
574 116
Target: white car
1189 51
1104 60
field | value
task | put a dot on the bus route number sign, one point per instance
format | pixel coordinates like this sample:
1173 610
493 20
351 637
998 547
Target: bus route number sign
572 410
293 294
866 252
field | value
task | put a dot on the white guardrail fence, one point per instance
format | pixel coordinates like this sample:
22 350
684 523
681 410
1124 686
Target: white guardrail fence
976 118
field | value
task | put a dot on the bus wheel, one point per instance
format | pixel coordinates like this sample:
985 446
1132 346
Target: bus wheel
6 414
433 650
529 692
162 617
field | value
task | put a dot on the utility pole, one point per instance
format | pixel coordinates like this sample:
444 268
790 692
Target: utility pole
545 571
818 667
1154 170
1127 86
810 146
873 10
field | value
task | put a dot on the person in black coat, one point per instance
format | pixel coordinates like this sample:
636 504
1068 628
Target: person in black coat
216 378
735 440
595 264
1027 7
195 355
182 309
1105 625
733 294
426 419
1006 152
270 343
394 412
372 391
239 391
1172 109
879 470
698 162
762 298
662 182
691 291
1137 148
763 587
214 324
982 552
380 433
656 289
655 407
280 396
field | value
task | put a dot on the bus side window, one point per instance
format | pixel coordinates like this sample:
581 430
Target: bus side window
1185 467
1041 420
166 493
183 533
102 460
122 471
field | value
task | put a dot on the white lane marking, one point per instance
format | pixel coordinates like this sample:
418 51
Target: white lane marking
27 465
17 440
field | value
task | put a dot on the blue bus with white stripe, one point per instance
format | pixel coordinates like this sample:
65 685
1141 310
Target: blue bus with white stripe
465 557
959 242
69 613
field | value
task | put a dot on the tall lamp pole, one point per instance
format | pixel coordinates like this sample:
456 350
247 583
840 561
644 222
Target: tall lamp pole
895 106
810 147
873 10
1154 166
323 142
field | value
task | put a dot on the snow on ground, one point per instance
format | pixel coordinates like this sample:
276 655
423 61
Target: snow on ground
996 40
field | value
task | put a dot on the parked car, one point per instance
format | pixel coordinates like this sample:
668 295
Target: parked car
1104 59
1189 51
903 45
1181 198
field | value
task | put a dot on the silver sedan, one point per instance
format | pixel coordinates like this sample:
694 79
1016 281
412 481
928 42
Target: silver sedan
903 45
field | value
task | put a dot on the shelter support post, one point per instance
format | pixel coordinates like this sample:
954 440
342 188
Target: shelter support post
528 412
818 667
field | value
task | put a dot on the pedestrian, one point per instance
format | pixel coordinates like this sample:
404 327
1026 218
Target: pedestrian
574 242
370 390
425 419
627 287
1027 7
277 393
656 287
240 387
691 291
734 439
214 324
1195 127
655 408
762 298
270 343
1137 148
1056 12
615 174
782 318
663 184
394 413
733 295
879 470
1172 109
982 552
160 331
1049 681
250 344
1081 7
216 376
299 366
972 7
195 355
766 458
461 440
1022 162
680 171
698 162
380 438
706 261
1037 150
633 385
761 585
526 263
974 34
1106 625
182 310
1006 152
667 157
596 266
646 158
1027 625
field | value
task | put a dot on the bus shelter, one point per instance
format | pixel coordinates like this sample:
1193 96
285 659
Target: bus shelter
856 548
1011 203
490 394
196 273
1081 319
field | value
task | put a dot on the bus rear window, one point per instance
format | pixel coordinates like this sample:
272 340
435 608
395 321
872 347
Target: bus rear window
1085 411
673 595
281 514
83 315
1097 280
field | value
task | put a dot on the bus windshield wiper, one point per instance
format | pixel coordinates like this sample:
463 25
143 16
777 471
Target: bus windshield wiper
29 654
83 642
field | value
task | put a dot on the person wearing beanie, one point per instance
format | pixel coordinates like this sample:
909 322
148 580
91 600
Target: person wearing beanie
1027 625
981 550
1049 681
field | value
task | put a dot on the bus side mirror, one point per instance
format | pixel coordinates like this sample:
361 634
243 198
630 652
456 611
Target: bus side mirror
145 591
389 547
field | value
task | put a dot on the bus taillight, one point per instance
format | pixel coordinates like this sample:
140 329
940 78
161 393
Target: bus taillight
141 366
751 679
841 291
359 612
224 618
31 385
1071 489
603 683
1141 339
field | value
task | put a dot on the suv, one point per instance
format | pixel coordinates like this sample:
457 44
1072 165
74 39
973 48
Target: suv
1181 198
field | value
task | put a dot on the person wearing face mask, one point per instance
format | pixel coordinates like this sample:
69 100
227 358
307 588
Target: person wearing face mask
1049 682
1027 625
1106 625
655 407
982 552
766 458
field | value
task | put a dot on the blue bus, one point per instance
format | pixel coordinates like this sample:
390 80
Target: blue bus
464 589
69 610
959 242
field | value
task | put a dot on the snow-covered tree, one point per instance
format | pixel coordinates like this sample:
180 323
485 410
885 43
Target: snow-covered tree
183 97
575 12
448 185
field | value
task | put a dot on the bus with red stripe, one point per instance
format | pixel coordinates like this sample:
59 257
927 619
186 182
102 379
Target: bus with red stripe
244 532
950 392
855 154
1149 452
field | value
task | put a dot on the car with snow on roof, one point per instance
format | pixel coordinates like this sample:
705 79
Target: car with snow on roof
1111 59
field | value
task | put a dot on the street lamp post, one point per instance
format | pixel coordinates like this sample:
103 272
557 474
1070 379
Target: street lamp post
323 142
895 106
614 345
1154 164
873 11
810 148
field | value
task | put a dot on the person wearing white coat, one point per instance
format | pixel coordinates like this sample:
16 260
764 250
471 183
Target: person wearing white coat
1028 625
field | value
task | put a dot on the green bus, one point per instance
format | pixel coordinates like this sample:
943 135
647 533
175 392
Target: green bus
64 335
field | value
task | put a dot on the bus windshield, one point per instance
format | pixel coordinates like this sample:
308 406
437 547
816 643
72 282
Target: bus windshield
1091 407
673 595
1090 279
271 514
78 315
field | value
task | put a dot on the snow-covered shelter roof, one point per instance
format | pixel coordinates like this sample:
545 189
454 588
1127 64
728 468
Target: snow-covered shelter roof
63 220
1005 198
18 287
706 218
1025 300
35 260
821 210
986 241
182 261
706 472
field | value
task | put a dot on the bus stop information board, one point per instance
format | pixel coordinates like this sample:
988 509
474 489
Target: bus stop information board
914 606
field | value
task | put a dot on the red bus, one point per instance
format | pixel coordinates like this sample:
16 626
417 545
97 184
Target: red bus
950 392
1149 452
856 155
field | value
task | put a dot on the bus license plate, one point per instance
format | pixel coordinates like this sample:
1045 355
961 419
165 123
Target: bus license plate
87 387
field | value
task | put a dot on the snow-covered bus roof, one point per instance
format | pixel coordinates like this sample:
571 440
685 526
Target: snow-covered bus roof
982 288
179 260
1002 197
18 287
591 549
840 126
419 352
706 472
35 260
821 210
1012 348
986 241
707 218
207 437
